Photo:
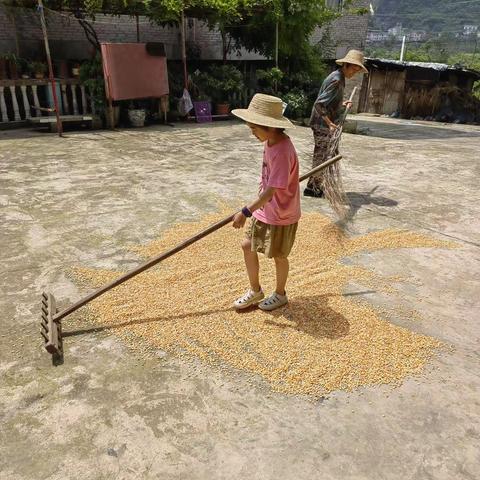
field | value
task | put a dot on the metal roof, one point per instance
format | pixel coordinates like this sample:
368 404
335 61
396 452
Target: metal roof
440 67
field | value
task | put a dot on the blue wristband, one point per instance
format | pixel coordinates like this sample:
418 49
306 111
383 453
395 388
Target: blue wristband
246 212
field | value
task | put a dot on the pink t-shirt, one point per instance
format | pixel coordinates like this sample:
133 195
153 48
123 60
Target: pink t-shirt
280 170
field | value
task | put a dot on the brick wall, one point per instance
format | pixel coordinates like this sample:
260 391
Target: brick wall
7 31
68 41
67 37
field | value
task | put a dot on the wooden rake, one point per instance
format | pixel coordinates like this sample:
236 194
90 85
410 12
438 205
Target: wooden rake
51 326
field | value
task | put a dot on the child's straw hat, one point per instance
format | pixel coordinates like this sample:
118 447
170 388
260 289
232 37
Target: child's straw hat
355 57
264 110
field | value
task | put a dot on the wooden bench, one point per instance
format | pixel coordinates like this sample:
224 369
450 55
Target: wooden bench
22 104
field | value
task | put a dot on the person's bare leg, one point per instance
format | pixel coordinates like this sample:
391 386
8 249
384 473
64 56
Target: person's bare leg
282 267
252 264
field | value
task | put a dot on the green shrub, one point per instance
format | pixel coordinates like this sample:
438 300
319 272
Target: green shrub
297 104
219 83
91 75
269 81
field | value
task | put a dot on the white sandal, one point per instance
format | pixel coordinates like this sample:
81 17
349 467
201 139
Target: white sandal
250 298
274 301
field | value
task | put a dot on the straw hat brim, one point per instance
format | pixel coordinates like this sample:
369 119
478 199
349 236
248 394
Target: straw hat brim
341 61
264 120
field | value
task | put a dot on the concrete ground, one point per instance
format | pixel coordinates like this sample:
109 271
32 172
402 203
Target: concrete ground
106 414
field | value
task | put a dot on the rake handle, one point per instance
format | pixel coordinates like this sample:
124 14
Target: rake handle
348 108
212 228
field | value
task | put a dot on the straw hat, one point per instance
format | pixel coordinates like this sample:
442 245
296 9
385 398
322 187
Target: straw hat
264 110
354 57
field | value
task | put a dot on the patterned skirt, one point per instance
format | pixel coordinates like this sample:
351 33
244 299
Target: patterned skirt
321 153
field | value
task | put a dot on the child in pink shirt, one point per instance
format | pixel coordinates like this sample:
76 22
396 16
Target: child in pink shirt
276 212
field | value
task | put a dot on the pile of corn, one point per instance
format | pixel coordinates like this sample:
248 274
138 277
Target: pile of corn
322 341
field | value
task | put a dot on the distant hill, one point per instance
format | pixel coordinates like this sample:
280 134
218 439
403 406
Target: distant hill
433 16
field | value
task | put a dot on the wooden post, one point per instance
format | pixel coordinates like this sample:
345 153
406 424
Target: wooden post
110 102
138 27
184 49
50 68
402 52
275 85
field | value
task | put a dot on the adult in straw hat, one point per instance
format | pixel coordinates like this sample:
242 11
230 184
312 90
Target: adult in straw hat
276 211
326 114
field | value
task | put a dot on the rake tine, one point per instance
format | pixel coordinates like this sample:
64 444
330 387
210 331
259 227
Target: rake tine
51 330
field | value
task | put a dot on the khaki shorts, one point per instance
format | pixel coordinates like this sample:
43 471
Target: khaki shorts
271 240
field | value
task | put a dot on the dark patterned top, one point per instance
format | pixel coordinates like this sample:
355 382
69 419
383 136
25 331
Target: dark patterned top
329 101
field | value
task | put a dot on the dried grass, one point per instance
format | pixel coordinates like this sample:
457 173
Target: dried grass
321 342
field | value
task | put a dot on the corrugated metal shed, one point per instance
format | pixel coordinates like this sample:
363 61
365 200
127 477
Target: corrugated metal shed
439 67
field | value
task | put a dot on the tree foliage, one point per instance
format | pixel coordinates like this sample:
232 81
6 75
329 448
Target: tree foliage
158 10
297 20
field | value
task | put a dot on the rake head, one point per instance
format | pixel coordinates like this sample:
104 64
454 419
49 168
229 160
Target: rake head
51 331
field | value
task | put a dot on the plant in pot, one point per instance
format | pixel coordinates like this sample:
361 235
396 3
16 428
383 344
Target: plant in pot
269 80
12 62
221 83
76 70
39 69
229 83
91 76
202 103
23 67
297 103
136 114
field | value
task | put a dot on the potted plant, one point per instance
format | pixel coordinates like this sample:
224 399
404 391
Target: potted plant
24 68
39 69
136 115
297 103
12 64
269 80
221 82
91 76
76 70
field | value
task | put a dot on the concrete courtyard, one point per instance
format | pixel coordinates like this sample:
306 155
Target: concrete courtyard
106 413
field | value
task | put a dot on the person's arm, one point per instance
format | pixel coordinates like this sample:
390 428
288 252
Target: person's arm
265 197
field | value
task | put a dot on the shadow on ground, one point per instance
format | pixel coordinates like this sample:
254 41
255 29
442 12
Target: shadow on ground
313 316
413 131
357 200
